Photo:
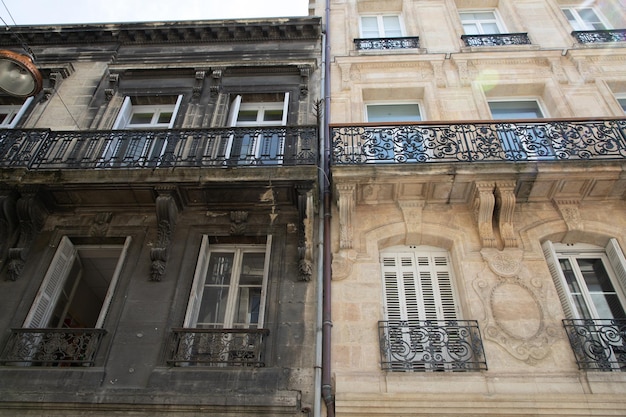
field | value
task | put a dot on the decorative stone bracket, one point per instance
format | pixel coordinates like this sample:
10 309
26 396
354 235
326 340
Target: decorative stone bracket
494 204
305 261
305 72
56 75
168 205
31 216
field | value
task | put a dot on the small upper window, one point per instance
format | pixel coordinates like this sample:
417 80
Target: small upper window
519 109
11 111
381 26
148 112
408 112
480 22
584 18
269 110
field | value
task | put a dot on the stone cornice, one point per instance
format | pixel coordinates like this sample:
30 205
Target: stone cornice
253 30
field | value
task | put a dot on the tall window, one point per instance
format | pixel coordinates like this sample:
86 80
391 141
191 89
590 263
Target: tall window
142 113
229 288
480 22
590 280
522 140
12 110
409 112
584 18
417 284
253 146
78 286
381 26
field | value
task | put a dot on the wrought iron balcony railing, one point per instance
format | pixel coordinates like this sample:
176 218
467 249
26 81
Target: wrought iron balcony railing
598 345
365 44
596 36
496 39
479 141
52 347
216 347
432 345
217 147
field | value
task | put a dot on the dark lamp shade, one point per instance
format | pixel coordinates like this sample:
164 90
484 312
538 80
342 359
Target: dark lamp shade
19 77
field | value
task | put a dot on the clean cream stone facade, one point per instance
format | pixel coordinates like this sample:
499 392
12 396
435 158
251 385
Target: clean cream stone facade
491 217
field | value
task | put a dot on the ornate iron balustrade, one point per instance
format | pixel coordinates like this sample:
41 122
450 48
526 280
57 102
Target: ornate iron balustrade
595 36
598 345
218 147
480 142
52 347
496 39
216 347
432 345
364 44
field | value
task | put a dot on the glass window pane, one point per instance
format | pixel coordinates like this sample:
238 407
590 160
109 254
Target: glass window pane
165 117
213 307
248 307
273 116
247 115
392 26
515 110
393 113
369 27
490 28
622 102
220 268
471 29
485 16
141 118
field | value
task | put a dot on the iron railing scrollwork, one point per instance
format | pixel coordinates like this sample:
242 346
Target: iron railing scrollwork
431 345
52 347
496 39
408 42
598 345
215 147
216 347
479 142
598 36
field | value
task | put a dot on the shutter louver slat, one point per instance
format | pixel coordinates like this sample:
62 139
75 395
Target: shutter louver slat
618 262
558 278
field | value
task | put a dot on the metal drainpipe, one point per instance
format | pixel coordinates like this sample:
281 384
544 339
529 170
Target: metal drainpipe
327 391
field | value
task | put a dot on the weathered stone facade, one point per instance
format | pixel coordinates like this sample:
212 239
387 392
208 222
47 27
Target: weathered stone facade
158 210
491 215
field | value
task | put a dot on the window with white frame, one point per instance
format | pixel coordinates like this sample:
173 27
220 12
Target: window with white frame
78 286
622 102
521 140
585 18
481 22
229 287
381 26
11 111
265 145
589 279
389 143
142 113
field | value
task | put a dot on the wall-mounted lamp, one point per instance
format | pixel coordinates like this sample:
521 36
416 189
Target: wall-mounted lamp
19 77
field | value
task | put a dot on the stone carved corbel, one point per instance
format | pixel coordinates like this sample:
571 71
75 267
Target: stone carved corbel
305 72
197 88
31 215
571 216
113 83
346 196
412 213
167 209
216 76
305 263
483 208
101 224
238 222
505 199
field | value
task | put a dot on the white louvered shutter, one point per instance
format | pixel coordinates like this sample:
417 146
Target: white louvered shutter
58 271
418 286
617 261
195 297
123 117
558 278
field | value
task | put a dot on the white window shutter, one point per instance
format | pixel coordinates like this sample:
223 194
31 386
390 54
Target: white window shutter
114 279
175 111
285 109
558 278
195 297
234 111
391 287
123 117
45 300
266 269
617 261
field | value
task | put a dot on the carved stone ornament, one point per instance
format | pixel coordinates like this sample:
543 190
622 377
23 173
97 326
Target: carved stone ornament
101 224
238 222
197 88
483 208
342 264
516 307
167 208
346 196
570 214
